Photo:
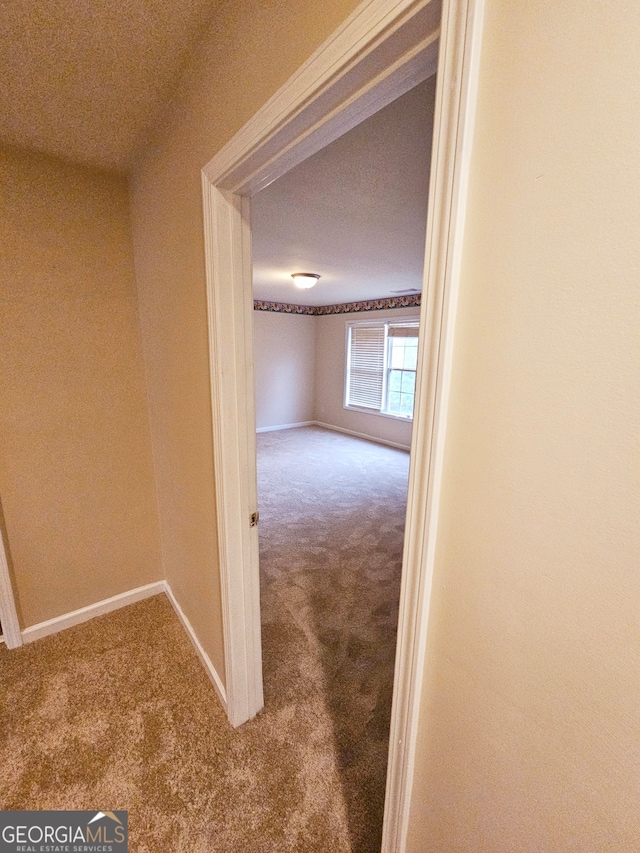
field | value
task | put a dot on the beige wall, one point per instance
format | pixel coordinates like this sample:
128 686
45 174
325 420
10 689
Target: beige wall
284 361
529 734
76 477
330 366
529 737
252 49
299 364
528 728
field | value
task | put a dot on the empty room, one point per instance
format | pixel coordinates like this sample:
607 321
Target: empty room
334 368
174 662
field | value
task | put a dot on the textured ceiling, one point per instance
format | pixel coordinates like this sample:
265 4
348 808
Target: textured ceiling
355 212
86 79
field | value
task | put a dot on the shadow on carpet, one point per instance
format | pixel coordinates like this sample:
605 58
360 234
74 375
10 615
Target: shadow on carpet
332 511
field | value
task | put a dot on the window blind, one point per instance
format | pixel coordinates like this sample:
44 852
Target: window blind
366 366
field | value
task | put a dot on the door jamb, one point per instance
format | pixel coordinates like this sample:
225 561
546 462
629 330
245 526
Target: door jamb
369 61
11 632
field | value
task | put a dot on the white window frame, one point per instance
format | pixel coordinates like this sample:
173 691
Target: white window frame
388 368
386 323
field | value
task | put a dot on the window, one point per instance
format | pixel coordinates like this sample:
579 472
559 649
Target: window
401 369
381 366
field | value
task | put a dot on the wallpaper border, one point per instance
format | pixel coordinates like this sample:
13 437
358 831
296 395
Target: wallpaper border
344 308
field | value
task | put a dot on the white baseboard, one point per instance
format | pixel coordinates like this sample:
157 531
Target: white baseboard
84 614
363 435
204 657
285 426
337 429
68 620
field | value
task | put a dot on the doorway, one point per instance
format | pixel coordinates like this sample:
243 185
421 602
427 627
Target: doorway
335 364
380 52
9 624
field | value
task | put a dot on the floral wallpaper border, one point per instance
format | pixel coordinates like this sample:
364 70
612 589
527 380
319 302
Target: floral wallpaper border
345 308
283 307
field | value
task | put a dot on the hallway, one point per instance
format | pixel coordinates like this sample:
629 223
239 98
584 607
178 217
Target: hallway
118 712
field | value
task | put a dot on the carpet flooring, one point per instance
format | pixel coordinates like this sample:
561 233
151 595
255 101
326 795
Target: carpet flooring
332 527
118 713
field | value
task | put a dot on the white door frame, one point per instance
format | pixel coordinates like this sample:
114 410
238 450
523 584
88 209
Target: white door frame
381 51
8 616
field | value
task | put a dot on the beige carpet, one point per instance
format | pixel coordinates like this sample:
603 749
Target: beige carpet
332 526
118 713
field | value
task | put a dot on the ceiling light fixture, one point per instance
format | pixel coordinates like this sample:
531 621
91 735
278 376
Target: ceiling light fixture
305 280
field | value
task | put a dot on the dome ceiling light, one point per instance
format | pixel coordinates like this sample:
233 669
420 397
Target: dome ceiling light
305 280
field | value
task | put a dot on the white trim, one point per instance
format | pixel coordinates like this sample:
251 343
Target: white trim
363 66
285 426
84 614
230 320
373 438
204 657
11 634
379 414
116 602
456 96
383 49
364 435
370 60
